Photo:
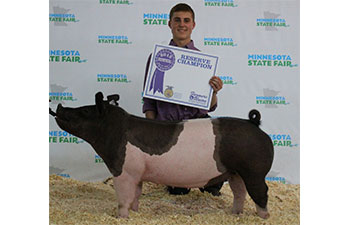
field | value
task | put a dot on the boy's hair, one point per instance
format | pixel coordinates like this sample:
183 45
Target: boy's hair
183 8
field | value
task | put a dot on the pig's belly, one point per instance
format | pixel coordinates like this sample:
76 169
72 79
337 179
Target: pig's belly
189 163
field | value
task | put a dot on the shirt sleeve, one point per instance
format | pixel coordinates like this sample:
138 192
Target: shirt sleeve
149 105
204 112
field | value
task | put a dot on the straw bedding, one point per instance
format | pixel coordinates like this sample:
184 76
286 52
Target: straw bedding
77 202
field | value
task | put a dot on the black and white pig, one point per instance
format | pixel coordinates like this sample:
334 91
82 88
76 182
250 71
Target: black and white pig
192 153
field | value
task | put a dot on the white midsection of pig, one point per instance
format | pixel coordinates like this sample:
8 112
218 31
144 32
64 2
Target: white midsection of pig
189 163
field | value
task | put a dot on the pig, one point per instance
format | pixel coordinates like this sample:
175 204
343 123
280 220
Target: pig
190 153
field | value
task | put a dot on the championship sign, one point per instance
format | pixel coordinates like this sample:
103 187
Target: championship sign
180 76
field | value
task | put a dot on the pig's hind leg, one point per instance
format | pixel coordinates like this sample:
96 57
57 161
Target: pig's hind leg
257 189
239 193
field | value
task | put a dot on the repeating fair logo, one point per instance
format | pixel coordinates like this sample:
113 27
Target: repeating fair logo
112 78
63 137
59 94
228 79
61 17
219 41
58 171
271 21
275 176
113 39
66 56
270 60
276 179
271 99
98 159
115 2
282 140
155 18
220 3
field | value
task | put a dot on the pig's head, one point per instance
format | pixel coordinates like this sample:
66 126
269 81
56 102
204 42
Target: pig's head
89 122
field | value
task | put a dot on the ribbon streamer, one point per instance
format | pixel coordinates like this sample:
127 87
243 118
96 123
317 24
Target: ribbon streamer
157 81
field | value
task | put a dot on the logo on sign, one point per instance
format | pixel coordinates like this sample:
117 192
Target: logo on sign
271 21
59 94
197 98
65 56
220 3
155 18
115 2
169 92
271 99
218 41
63 137
61 17
164 60
227 79
98 159
113 39
269 60
282 140
112 78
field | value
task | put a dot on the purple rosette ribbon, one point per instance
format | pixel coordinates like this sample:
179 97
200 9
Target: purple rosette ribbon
164 60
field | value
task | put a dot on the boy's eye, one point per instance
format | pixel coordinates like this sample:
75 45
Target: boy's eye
185 20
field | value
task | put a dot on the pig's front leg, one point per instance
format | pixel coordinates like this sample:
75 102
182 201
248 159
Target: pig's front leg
125 187
135 203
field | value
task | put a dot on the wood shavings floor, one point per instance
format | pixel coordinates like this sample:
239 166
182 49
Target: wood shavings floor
76 202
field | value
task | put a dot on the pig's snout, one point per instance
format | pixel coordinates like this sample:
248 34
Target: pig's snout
60 113
52 113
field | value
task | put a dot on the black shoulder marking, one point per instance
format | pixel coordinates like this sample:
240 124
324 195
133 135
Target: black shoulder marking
111 145
152 136
113 155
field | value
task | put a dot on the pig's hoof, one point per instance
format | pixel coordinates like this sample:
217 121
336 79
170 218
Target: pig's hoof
135 208
122 216
237 211
264 214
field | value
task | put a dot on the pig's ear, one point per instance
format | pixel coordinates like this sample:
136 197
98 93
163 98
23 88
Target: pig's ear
113 99
99 101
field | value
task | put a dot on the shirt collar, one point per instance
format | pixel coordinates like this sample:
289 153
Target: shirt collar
190 45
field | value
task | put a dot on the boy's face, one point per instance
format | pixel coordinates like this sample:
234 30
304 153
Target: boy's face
181 25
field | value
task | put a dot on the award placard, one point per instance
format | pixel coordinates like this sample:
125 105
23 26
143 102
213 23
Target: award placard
180 76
